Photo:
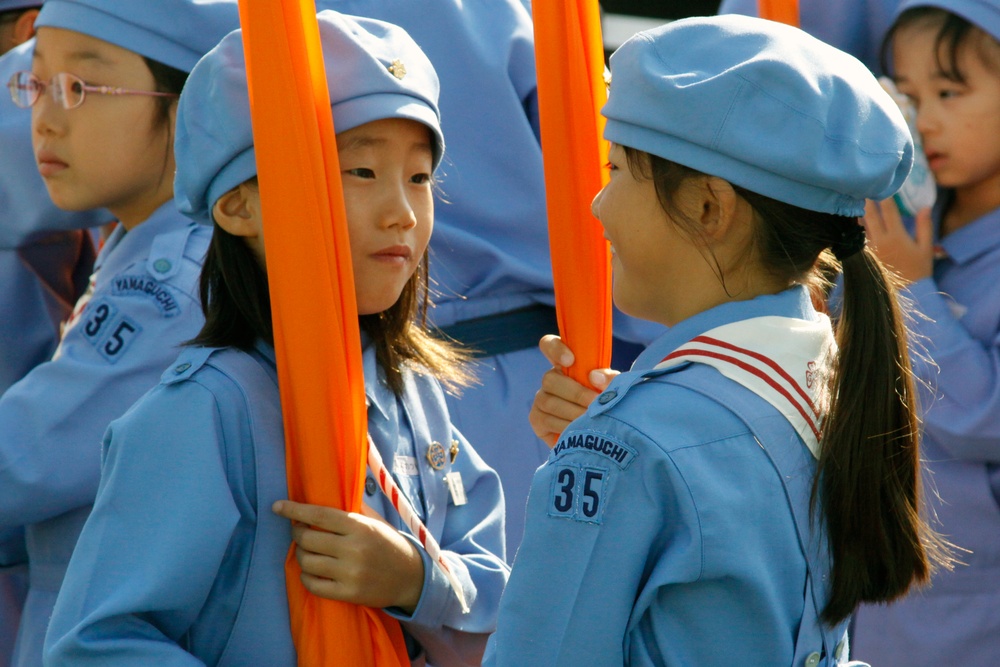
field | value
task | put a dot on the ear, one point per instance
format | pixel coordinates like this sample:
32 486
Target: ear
24 26
718 208
238 212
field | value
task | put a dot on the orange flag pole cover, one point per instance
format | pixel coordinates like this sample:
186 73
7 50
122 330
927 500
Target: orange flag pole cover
317 341
783 11
569 57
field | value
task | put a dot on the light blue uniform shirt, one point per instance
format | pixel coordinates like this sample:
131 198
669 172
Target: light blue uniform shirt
659 531
143 304
44 264
197 577
854 26
956 621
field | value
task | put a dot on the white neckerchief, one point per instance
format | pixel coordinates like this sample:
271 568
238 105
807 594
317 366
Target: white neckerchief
781 359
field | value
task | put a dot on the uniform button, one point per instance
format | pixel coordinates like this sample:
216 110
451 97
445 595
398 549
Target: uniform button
162 265
370 486
607 397
812 659
181 368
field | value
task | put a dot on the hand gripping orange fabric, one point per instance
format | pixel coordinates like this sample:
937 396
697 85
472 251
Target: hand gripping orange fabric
316 333
569 57
783 11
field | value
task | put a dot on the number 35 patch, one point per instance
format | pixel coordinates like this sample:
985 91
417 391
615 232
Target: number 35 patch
579 493
109 332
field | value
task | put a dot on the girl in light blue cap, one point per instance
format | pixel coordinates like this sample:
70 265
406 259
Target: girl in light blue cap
945 56
754 477
197 576
102 88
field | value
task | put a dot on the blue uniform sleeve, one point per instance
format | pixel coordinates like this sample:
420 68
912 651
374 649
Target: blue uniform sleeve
602 513
961 404
12 548
473 544
52 421
151 550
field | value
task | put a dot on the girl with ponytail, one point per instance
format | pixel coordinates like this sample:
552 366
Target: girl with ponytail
755 476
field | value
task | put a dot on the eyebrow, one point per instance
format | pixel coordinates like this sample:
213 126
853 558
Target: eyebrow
369 141
79 56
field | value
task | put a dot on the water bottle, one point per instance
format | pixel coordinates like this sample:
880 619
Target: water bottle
919 190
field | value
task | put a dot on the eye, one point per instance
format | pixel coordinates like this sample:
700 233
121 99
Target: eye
610 166
421 179
361 172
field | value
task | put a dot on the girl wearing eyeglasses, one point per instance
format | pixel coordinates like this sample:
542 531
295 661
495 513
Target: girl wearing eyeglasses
102 89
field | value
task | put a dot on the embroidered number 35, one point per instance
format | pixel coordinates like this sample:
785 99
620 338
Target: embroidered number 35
578 493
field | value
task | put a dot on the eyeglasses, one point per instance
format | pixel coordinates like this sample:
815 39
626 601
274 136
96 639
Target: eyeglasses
66 89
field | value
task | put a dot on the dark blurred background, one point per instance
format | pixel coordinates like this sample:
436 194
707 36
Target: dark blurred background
624 18
670 9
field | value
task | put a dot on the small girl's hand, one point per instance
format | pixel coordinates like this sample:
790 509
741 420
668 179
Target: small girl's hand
561 398
353 557
912 257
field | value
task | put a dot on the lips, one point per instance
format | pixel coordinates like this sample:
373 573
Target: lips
395 253
49 163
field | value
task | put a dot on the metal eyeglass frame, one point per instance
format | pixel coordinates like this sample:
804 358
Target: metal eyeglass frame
58 83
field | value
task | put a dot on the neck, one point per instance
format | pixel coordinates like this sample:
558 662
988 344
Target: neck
971 203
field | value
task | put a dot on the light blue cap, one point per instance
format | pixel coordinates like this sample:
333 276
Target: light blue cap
173 32
985 14
762 105
374 70
8 5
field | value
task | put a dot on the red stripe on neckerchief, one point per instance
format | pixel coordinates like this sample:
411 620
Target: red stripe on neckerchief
781 359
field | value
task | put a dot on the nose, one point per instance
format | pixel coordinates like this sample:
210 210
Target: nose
926 118
595 205
397 210
46 115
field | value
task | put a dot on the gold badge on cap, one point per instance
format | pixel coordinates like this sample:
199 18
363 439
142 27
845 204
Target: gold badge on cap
397 68
436 455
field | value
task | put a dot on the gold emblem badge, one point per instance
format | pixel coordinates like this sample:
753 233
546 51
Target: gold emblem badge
397 68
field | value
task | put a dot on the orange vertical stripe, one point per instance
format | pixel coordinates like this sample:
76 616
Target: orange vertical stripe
569 55
316 333
783 11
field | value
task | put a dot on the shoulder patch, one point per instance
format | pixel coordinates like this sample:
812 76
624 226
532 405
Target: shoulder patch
596 443
145 286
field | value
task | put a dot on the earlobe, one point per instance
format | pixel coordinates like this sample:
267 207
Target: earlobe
24 27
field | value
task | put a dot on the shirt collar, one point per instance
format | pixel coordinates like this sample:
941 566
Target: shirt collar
123 247
794 302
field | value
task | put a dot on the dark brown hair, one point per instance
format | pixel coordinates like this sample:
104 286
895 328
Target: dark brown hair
167 80
954 32
868 477
237 306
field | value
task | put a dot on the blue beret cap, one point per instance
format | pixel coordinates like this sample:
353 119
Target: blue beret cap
985 14
8 5
214 144
763 105
176 33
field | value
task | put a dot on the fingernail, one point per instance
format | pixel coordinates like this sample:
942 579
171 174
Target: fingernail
276 507
566 359
598 379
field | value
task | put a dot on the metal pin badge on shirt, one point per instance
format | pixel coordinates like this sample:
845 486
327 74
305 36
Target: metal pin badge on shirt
454 450
436 455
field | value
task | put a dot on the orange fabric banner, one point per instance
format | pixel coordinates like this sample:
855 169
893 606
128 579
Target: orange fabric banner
783 11
317 340
569 56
